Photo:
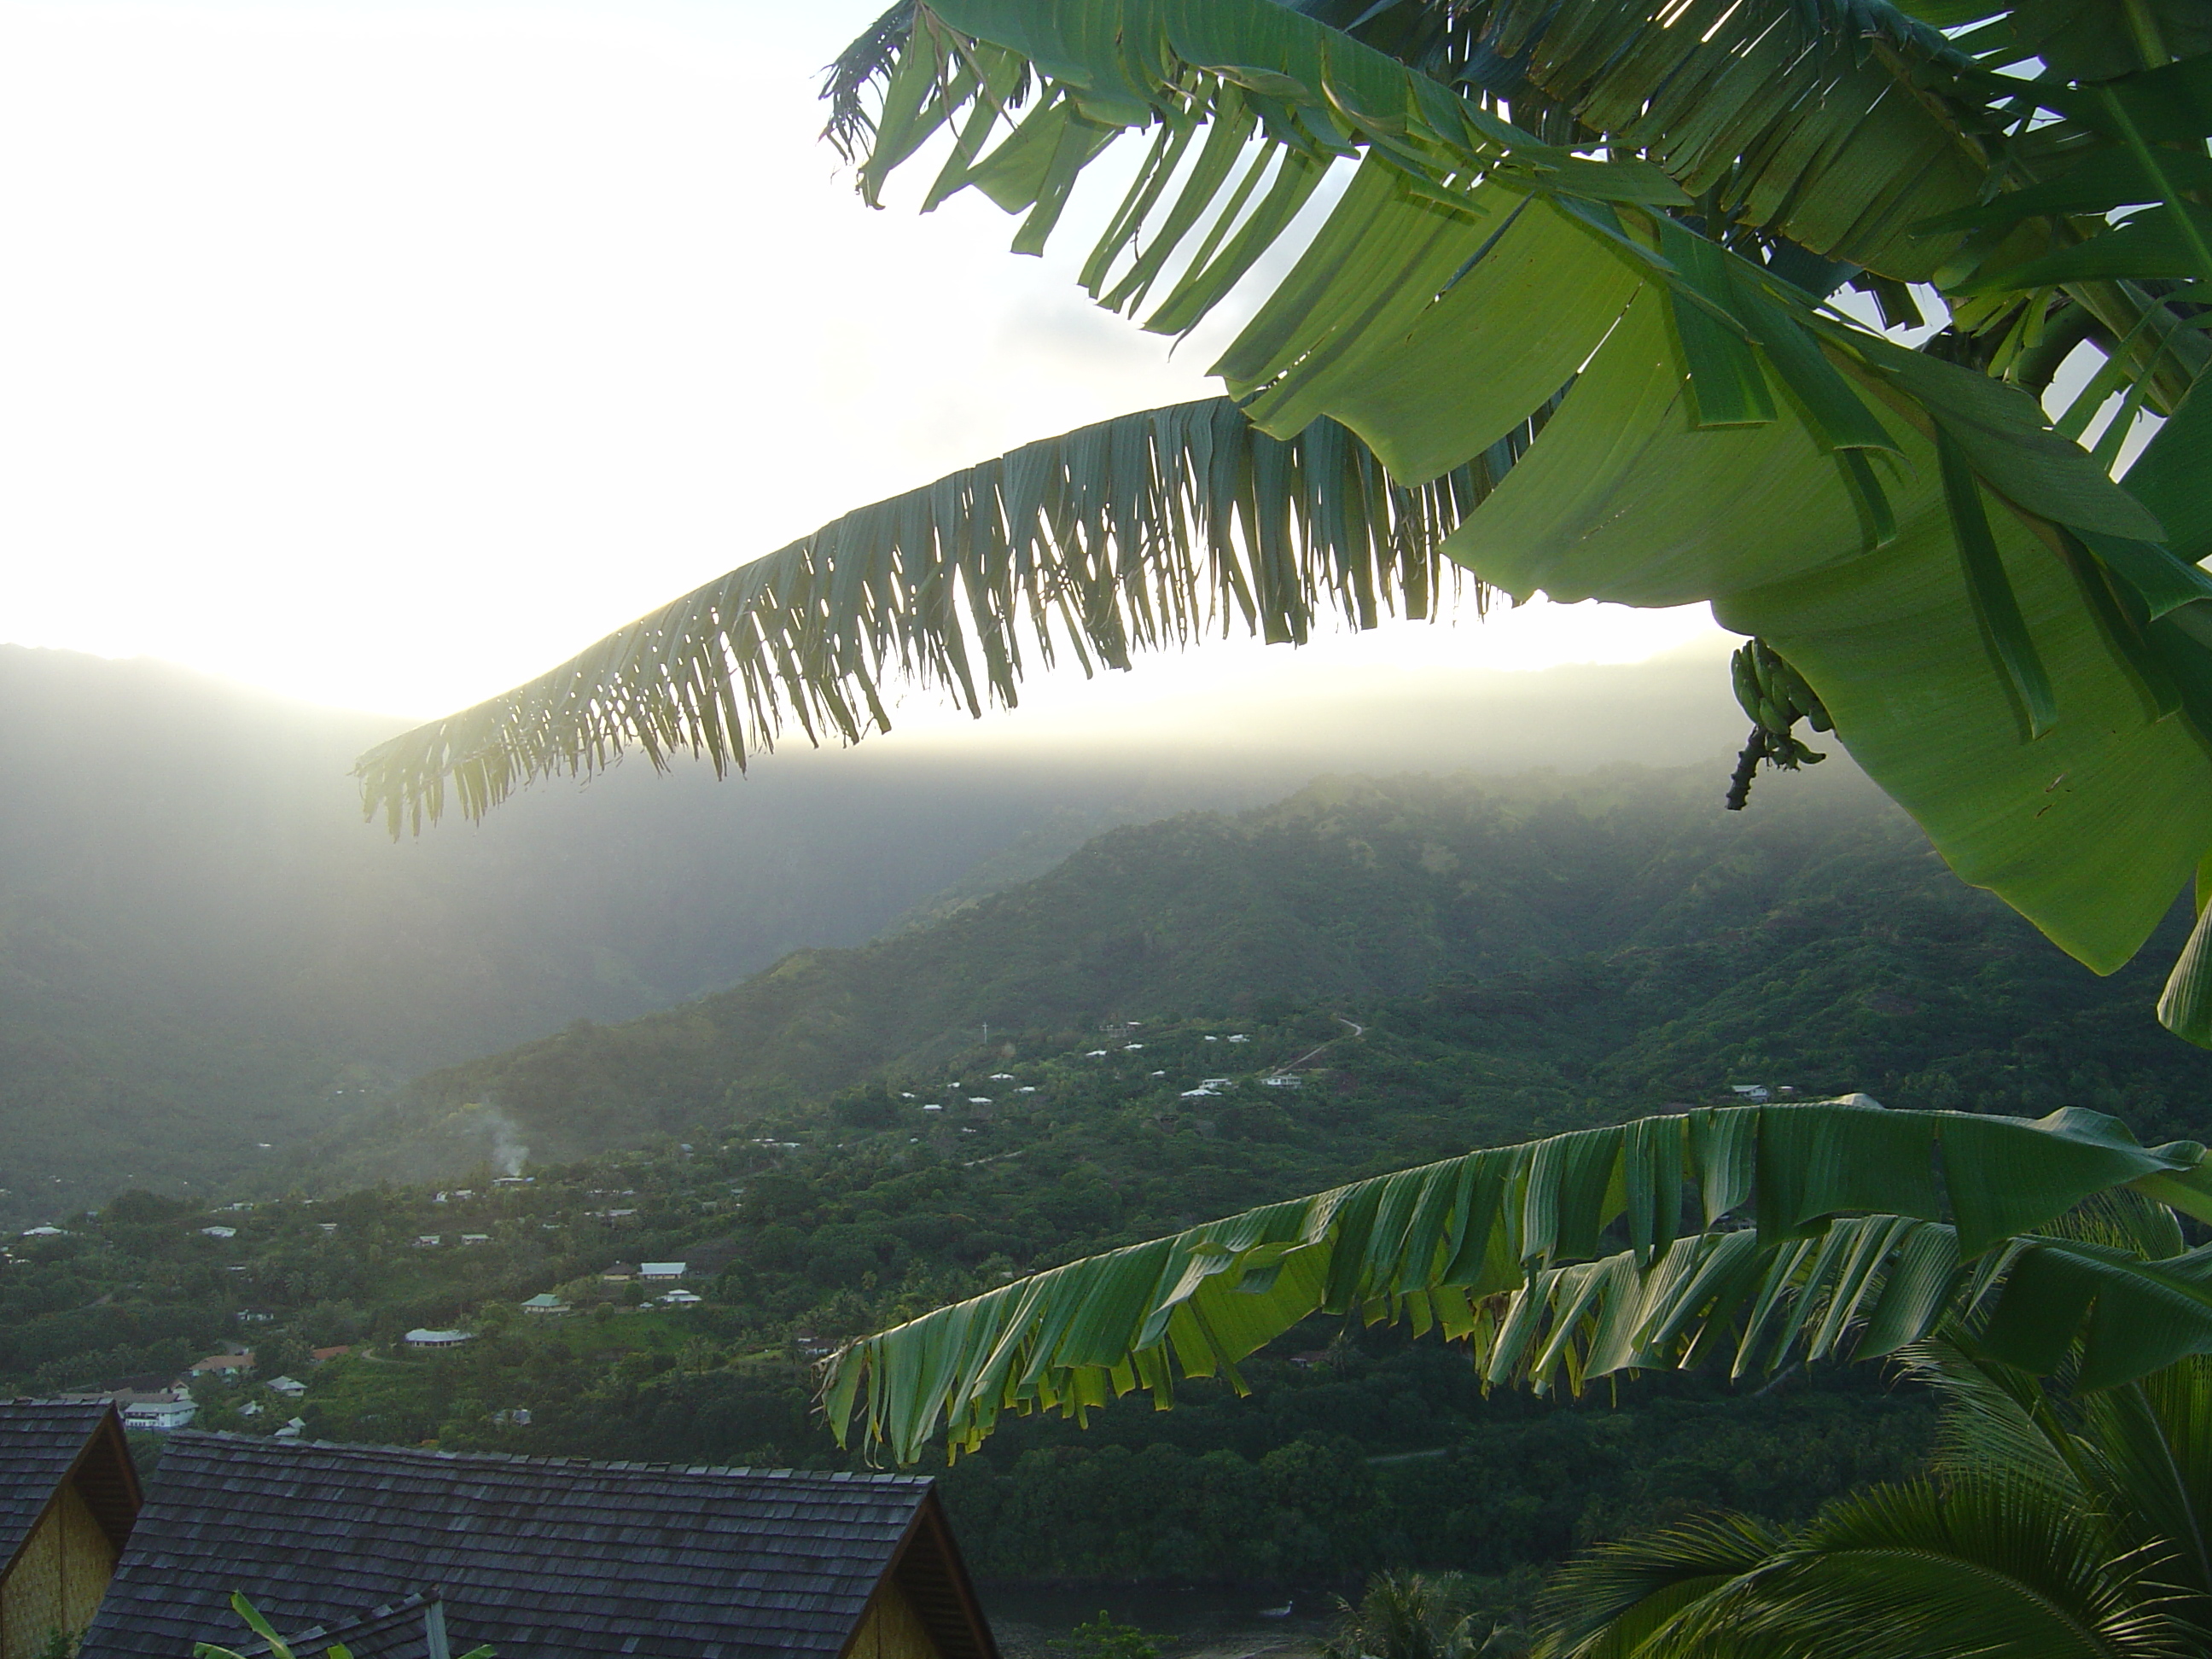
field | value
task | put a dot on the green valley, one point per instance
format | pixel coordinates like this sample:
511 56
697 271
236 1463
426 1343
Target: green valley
1184 1018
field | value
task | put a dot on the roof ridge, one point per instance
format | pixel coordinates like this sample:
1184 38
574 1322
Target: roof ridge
425 1454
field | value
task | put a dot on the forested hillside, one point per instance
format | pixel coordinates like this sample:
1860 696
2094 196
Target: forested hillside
204 948
1609 935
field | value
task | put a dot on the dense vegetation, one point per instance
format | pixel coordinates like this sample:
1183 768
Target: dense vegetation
1358 1448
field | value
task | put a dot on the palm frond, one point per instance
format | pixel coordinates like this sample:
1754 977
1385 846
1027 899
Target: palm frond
1573 1257
1999 1423
1608 1602
2048 1529
2154 1442
1133 534
1917 1573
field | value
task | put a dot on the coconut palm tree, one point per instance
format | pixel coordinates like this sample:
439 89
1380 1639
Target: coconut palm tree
2047 1527
1405 1615
1748 301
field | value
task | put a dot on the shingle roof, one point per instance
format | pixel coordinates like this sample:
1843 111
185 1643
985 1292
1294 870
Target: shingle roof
40 1441
548 1559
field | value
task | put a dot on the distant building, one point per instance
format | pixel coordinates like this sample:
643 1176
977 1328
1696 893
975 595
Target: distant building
545 1303
290 1387
561 1560
69 1496
424 1240
1749 1090
681 1299
220 1232
620 1274
476 1238
420 1338
162 1413
228 1366
43 1232
1284 1080
660 1272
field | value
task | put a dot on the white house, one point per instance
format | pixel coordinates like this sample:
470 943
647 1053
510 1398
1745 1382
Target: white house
681 1299
220 1232
159 1414
420 1338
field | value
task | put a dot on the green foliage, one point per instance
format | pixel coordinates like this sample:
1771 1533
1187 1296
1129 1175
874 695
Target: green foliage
278 1648
1404 1615
1102 1638
2053 1525
1741 1230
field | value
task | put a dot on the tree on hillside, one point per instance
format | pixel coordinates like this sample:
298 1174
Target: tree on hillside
1588 317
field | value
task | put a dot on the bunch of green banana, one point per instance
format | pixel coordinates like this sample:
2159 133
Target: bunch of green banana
1773 693
1776 696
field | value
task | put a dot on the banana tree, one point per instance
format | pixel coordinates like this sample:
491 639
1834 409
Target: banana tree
1594 314
1753 1233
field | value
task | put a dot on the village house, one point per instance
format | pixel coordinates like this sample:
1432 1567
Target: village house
420 1338
228 1367
158 1413
68 1497
552 1559
660 1272
545 1304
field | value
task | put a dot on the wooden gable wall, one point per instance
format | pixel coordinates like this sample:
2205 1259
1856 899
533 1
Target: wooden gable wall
58 1577
60 1572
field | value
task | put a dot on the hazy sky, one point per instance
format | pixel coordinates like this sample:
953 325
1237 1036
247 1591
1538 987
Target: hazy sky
383 353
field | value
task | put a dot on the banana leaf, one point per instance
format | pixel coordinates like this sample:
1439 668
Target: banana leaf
1771 1230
